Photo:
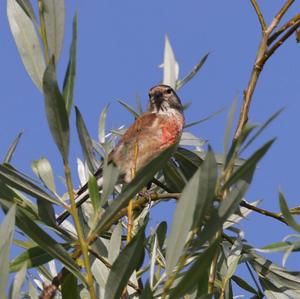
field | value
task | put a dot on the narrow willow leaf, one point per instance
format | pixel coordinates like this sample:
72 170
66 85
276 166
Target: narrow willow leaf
42 168
12 149
69 287
32 257
46 213
197 272
56 111
262 128
147 292
47 243
28 9
204 119
170 65
142 178
229 127
114 245
54 15
243 284
7 228
194 71
121 270
110 177
188 161
161 232
271 291
194 201
86 142
27 42
174 179
32 292
129 108
94 193
19 181
69 80
153 257
227 207
278 276
279 247
287 214
18 282
101 130
249 164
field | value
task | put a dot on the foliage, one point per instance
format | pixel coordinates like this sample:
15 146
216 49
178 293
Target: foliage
199 256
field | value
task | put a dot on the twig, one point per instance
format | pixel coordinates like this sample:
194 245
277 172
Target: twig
259 15
276 216
283 28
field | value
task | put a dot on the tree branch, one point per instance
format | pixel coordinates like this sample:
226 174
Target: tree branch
259 15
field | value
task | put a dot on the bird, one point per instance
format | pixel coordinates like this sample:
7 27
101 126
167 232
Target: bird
152 132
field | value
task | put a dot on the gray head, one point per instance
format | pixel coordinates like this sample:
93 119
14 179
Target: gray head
162 98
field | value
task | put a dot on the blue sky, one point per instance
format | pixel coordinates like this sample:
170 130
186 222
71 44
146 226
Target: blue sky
120 46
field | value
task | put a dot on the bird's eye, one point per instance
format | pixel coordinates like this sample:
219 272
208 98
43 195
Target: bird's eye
169 91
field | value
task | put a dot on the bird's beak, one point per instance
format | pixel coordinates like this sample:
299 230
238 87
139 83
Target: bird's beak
158 99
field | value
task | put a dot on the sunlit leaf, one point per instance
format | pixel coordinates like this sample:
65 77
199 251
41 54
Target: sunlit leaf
129 108
7 228
54 15
18 282
170 65
22 28
114 245
43 170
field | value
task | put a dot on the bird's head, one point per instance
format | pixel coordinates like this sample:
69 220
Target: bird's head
163 99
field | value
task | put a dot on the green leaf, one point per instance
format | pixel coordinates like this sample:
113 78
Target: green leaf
47 243
12 149
7 228
54 15
56 111
243 284
204 119
141 179
28 9
287 214
18 282
86 142
42 168
101 130
280 246
94 193
249 164
33 257
279 277
46 213
229 127
69 287
17 180
196 273
262 128
22 28
226 208
174 179
194 71
161 232
69 80
124 265
188 161
129 108
194 202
